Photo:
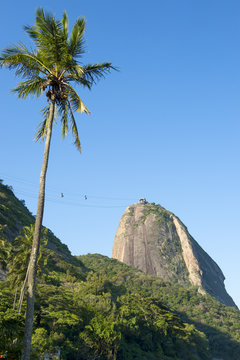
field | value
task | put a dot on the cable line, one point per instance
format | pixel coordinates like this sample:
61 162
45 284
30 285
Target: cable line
28 188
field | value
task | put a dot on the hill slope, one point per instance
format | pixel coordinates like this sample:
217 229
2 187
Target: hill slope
14 214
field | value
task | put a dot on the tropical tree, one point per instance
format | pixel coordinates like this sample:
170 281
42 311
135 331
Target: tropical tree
5 249
52 67
18 265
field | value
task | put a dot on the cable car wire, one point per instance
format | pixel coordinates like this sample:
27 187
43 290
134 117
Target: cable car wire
52 194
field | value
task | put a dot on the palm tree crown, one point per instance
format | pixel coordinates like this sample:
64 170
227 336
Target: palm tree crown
53 68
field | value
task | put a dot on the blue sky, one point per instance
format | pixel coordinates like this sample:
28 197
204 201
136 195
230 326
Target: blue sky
165 127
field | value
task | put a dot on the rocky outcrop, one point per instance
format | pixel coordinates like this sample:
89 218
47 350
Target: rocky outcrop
154 240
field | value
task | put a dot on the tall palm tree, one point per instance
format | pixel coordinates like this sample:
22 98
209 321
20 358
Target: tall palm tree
51 67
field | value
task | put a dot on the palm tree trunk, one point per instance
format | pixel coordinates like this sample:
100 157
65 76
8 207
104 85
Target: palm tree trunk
15 297
32 272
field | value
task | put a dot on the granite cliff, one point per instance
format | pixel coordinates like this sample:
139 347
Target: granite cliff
154 240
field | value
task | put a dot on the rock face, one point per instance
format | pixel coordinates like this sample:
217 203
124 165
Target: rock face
154 240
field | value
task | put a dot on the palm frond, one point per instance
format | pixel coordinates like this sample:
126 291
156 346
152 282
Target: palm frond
42 128
75 100
74 129
63 110
76 73
32 30
93 72
65 25
79 70
46 27
33 86
49 37
24 61
76 42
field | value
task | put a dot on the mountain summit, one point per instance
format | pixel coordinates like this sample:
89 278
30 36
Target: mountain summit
154 240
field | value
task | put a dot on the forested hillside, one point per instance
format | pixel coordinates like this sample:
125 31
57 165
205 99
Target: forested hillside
93 307
14 214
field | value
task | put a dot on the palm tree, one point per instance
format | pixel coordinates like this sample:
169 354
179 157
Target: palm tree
51 68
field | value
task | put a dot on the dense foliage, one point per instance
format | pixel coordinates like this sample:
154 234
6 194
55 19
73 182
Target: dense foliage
89 320
220 323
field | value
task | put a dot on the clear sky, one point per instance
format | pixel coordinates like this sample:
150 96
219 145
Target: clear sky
165 127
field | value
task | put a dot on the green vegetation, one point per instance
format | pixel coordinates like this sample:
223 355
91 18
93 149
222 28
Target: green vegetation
104 309
14 215
13 212
131 211
94 318
220 323
161 213
5 249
